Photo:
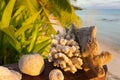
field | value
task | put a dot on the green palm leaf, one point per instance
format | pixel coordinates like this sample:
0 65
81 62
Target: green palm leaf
31 19
64 5
50 30
33 40
7 14
19 11
41 46
32 5
11 35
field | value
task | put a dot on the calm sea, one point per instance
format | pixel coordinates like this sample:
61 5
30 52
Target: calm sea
107 23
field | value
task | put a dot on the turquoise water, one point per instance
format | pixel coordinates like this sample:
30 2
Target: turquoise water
107 23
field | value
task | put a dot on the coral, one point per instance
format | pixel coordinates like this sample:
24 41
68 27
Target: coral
89 49
6 74
56 74
64 52
31 64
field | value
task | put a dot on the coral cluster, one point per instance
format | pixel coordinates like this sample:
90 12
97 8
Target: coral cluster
31 64
56 74
6 74
64 52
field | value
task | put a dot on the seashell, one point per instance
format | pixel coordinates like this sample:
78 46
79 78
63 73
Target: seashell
31 64
56 74
6 74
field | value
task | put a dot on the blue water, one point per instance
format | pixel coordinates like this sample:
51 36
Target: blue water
107 23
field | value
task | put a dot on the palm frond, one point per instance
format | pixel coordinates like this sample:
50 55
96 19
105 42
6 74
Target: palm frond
32 5
63 5
7 14
64 12
26 25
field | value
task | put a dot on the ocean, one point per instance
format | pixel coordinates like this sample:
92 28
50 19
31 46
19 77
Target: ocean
107 22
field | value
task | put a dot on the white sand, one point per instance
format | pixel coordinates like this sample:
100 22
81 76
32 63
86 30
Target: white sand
114 65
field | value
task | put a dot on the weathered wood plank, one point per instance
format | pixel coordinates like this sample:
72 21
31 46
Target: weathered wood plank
80 75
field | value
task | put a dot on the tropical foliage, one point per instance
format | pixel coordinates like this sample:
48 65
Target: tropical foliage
25 26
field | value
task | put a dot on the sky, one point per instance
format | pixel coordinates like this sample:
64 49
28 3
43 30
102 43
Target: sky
97 4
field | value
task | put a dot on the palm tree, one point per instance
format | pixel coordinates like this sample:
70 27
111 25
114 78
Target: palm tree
26 25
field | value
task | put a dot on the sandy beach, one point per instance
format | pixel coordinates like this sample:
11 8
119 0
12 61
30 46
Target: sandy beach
114 65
